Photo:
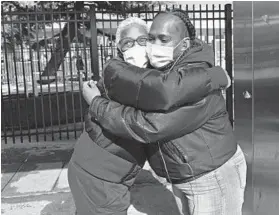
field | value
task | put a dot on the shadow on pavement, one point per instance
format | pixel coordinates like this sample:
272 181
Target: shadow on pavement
151 197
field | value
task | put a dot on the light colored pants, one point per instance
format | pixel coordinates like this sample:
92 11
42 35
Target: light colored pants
220 192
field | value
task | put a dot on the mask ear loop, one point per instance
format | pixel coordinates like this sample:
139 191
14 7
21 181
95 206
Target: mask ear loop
187 38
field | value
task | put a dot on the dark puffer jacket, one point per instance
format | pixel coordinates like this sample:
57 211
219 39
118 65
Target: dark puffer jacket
195 137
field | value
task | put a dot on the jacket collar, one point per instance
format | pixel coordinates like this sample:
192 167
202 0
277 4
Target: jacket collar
198 52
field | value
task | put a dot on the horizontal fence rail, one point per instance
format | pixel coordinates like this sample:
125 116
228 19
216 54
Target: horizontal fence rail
46 55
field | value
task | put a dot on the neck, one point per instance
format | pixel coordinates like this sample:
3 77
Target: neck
120 54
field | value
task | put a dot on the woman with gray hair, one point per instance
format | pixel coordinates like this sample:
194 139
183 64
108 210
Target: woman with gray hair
103 167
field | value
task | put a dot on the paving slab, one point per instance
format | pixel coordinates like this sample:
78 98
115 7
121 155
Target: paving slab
54 154
29 208
33 178
13 155
7 172
43 152
54 204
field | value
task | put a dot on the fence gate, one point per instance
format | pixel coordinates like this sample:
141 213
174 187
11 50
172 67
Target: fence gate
46 55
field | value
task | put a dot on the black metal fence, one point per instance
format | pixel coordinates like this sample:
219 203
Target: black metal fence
63 49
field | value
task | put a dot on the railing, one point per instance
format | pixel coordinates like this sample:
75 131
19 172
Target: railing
55 110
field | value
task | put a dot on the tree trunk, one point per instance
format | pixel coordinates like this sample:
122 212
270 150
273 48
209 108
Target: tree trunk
67 36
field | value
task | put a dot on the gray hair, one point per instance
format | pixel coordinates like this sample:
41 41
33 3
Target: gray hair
127 23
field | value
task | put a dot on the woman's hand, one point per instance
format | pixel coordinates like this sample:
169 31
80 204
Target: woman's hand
90 91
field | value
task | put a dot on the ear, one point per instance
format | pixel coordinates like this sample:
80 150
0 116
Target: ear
186 44
118 46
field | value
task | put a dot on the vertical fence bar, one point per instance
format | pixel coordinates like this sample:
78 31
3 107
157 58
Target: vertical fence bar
80 73
3 120
84 47
16 79
8 81
145 10
138 11
94 44
33 80
71 71
194 18
228 45
131 10
117 23
56 79
85 60
207 23
48 84
110 32
104 39
3 123
213 31
153 12
26 91
39 71
64 76
220 35
200 21
102 53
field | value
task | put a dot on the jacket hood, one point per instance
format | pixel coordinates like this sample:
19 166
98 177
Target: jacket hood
199 52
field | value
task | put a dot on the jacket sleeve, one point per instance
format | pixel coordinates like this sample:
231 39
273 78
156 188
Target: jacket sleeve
134 86
131 123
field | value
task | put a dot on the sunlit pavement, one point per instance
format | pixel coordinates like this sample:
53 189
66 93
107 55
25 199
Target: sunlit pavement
34 182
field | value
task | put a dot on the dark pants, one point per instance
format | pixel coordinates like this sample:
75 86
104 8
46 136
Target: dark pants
94 196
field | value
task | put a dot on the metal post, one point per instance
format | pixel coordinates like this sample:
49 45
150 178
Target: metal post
228 42
94 45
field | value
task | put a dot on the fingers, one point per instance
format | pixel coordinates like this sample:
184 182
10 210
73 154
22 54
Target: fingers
86 84
90 91
89 86
91 83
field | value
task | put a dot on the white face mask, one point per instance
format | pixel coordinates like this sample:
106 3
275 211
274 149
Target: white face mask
160 56
137 56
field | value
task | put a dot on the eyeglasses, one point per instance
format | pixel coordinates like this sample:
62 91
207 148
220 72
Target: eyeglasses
127 43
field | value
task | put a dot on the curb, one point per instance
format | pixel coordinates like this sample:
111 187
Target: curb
37 194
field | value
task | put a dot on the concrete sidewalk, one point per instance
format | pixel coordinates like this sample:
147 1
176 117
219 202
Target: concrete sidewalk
34 182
